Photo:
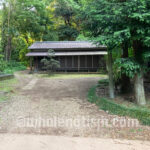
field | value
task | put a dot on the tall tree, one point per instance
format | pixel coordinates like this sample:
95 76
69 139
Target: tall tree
114 22
23 19
66 11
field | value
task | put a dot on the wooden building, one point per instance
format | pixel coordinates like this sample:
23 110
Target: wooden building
73 55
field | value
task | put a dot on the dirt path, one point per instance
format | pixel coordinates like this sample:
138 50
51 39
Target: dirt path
59 107
32 142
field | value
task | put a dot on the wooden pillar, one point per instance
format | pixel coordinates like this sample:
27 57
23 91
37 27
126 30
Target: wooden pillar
78 63
36 64
72 61
65 63
31 69
85 61
92 62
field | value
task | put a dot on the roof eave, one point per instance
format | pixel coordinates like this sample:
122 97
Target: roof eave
30 48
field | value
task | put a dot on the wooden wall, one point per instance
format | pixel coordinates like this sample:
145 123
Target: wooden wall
76 63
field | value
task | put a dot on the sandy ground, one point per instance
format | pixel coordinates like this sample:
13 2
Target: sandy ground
42 106
32 142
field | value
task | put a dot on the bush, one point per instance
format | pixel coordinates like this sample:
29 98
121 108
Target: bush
11 67
50 64
142 114
104 82
3 65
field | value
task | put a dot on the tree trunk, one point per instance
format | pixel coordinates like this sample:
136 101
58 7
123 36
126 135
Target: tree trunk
110 72
139 79
8 49
139 89
9 38
125 80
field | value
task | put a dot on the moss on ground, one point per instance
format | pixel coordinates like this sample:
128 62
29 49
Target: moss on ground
71 75
6 88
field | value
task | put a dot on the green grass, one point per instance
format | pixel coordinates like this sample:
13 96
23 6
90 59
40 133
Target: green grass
142 114
55 76
7 86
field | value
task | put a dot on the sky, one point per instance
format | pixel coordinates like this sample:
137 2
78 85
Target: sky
1 1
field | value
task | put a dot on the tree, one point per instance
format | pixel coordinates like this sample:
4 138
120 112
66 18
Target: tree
113 23
8 27
66 12
23 18
50 64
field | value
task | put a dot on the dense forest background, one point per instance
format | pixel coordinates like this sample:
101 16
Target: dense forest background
23 21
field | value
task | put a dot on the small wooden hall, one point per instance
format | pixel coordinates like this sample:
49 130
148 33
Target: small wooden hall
74 56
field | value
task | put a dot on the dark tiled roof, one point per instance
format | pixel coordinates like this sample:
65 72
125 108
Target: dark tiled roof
65 45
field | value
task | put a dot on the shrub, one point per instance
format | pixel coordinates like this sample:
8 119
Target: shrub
3 65
11 67
50 64
104 82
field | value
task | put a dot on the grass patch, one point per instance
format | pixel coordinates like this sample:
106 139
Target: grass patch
6 88
55 76
7 85
142 114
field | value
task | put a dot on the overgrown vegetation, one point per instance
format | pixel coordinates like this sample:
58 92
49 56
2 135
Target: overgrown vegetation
142 114
11 67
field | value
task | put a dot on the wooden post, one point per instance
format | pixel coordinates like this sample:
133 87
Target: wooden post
78 63
36 64
92 62
72 61
110 72
85 61
31 69
65 63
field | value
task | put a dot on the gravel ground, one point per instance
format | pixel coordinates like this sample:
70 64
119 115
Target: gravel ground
48 106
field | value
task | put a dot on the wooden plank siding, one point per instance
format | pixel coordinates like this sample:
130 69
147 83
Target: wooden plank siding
75 63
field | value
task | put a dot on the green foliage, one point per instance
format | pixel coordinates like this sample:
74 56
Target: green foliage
20 49
67 33
104 82
13 66
127 66
81 37
32 17
10 67
3 65
114 22
66 11
50 64
142 114
23 20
